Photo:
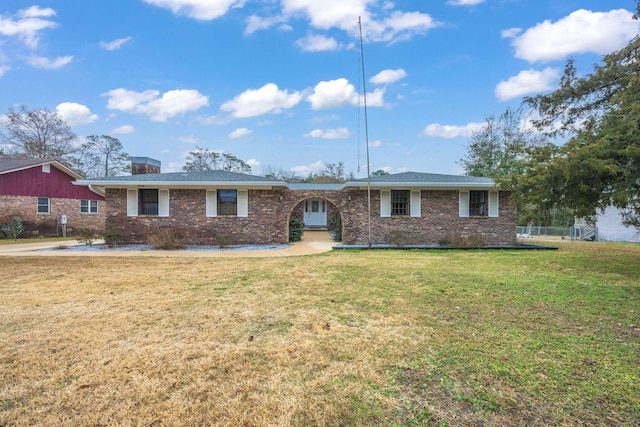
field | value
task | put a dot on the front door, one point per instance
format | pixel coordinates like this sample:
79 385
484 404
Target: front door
315 213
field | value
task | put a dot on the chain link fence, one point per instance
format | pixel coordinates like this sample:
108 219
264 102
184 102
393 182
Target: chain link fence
581 232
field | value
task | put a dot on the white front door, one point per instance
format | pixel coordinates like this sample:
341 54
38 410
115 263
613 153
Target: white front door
315 213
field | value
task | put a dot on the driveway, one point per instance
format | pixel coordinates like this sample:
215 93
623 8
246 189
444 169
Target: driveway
313 242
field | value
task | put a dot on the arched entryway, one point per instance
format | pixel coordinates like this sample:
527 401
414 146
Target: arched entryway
318 210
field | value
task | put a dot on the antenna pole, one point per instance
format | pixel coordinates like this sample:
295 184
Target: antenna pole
366 133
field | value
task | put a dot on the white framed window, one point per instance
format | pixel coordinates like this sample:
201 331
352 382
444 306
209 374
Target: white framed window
478 204
148 201
44 205
227 202
89 206
400 203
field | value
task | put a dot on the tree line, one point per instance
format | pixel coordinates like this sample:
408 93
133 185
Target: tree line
597 116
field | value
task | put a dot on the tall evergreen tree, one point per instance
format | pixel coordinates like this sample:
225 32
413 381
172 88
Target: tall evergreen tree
599 166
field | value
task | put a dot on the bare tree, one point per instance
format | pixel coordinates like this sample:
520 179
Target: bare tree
104 156
36 134
203 159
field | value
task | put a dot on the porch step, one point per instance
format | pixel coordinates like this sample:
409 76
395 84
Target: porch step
315 228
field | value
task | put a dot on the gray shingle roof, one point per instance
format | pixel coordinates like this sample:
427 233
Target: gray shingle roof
427 178
176 178
7 165
11 165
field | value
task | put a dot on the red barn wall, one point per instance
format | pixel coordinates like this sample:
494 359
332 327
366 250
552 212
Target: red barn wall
34 182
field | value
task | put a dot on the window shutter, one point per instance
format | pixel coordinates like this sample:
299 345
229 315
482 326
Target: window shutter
385 203
132 202
243 203
415 204
163 202
463 204
212 203
493 204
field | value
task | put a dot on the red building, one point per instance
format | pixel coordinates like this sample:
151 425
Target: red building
42 193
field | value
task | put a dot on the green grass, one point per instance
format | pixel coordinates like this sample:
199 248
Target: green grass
35 240
400 338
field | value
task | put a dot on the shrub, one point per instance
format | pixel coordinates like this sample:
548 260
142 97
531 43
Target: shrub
335 225
398 238
87 236
110 236
457 240
223 240
296 229
166 239
13 229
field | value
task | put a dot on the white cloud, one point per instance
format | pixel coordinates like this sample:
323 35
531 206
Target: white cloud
527 82
389 26
204 10
388 76
115 44
125 129
75 114
159 109
307 169
580 32
451 131
48 64
28 24
510 33
256 102
253 163
256 23
339 133
4 69
340 93
239 133
375 144
465 2
317 43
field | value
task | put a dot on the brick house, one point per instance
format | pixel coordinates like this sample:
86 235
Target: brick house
426 208
41 191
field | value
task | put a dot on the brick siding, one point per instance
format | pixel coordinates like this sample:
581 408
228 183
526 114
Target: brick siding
45 224
270 210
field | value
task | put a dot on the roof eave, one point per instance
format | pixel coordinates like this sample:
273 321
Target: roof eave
55 164
423 185
182 184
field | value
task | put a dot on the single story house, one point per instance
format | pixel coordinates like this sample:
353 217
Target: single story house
42 191
425 208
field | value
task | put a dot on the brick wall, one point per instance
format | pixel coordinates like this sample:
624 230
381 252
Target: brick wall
45 224
270 210
439 221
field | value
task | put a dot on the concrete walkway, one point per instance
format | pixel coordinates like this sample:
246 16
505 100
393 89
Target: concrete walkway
313 242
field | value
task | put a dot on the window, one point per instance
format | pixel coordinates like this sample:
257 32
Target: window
149 202
227 202
88 206
478 203
43 205
399 202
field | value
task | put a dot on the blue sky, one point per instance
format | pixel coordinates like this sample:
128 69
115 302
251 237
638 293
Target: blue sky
276 82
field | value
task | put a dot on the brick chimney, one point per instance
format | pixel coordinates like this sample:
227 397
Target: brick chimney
144 165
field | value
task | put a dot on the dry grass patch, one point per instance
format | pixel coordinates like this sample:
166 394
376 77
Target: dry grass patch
348 338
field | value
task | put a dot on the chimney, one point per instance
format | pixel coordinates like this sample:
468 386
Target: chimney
144 165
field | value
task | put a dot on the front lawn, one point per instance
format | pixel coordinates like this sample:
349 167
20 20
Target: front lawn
362 338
